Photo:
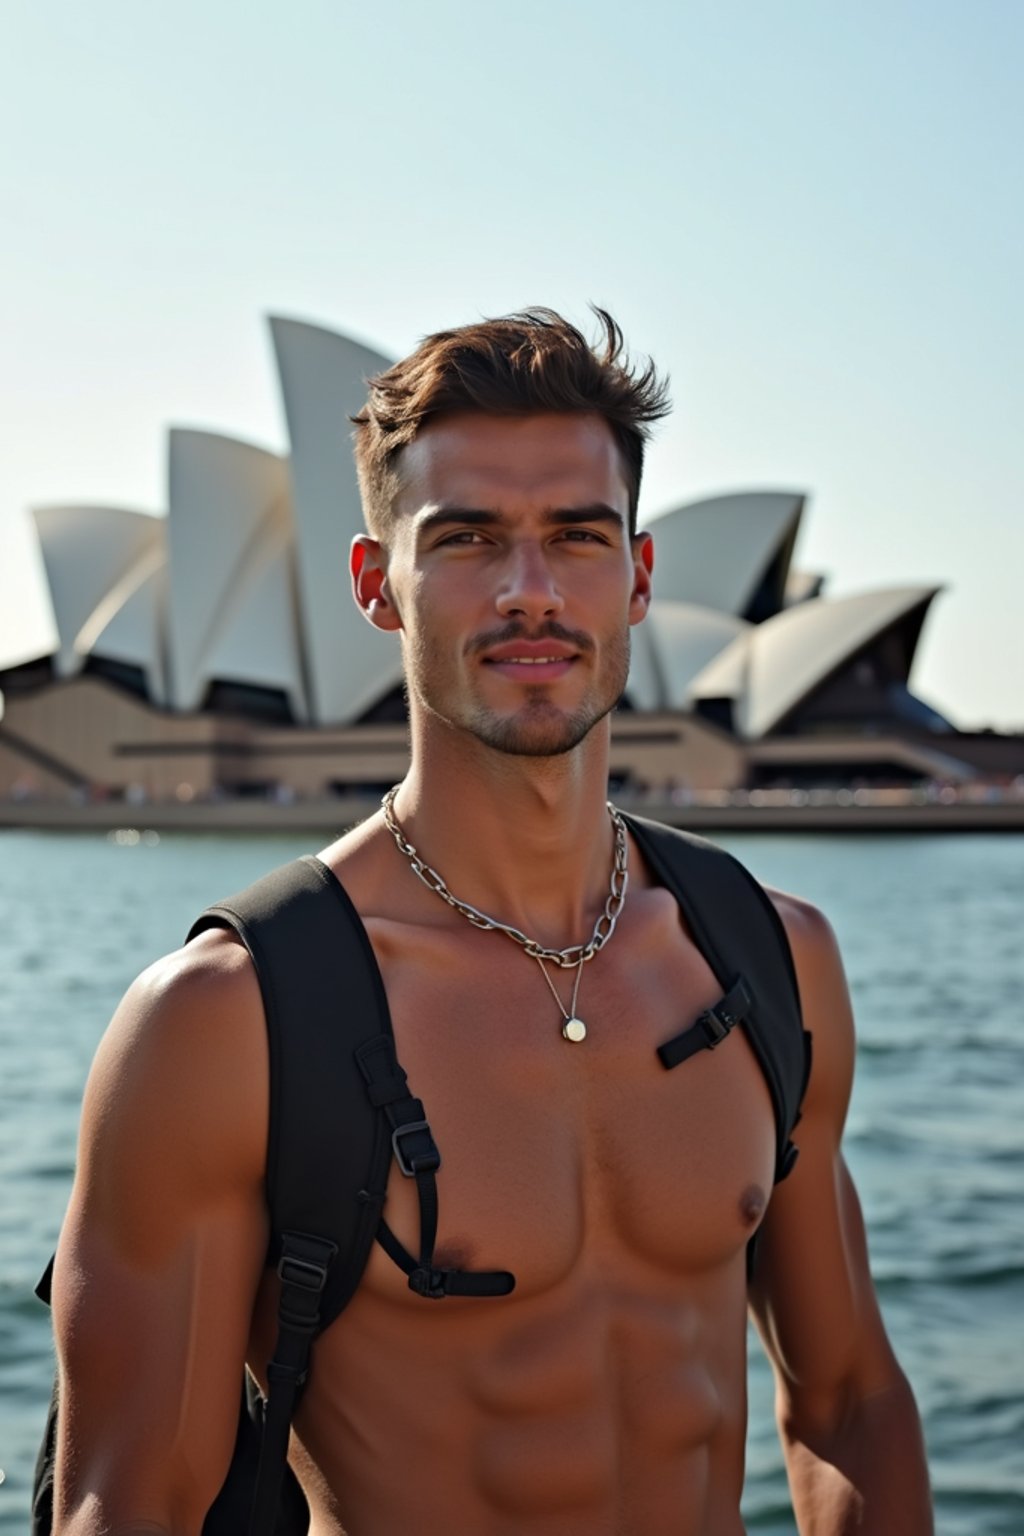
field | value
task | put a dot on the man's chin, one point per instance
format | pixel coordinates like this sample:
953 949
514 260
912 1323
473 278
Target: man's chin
547 733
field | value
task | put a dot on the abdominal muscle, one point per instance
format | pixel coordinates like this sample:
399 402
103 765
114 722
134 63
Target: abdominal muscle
589 1412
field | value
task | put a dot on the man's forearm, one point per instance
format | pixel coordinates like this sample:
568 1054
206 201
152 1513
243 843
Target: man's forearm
867 1475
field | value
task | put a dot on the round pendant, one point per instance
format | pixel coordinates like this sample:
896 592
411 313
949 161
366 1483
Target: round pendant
574 1030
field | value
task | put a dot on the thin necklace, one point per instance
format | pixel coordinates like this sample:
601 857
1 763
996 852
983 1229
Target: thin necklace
574 956
573 1027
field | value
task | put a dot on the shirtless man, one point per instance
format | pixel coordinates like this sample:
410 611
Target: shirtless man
500 469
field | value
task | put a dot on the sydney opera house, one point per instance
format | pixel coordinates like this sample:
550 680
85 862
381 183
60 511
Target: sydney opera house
215 652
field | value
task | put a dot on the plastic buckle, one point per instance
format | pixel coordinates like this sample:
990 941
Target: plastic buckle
429 1283
423 1162
715 1028
304 1273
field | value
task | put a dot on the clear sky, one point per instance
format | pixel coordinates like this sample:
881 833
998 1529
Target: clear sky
810 213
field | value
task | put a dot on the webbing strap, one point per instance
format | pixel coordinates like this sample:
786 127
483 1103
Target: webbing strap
426 1279
736 926
303 1269
418 1158
710 1028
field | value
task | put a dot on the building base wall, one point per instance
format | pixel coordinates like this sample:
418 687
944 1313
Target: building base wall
86 740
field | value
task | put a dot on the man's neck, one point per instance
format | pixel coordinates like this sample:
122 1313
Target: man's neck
526 840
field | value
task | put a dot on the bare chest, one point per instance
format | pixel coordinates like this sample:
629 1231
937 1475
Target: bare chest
557 1156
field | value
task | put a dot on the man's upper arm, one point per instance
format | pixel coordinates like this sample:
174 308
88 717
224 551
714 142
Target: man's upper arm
812 1295
162 1247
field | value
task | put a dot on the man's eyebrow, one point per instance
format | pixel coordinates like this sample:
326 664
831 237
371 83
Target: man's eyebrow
597 512
482 517
440 517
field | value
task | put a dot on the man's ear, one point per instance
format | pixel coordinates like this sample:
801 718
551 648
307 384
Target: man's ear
368 563
643 568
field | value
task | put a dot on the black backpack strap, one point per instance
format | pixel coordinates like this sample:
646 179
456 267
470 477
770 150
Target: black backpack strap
710 1028
303 1268
741 936
322 995
332 1129
417 1156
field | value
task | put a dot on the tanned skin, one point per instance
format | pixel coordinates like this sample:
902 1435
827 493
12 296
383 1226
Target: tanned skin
607 1395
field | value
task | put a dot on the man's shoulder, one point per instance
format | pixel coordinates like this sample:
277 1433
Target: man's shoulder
812 938
824 999
211 974
804 922
175 1109
806 925
193 1017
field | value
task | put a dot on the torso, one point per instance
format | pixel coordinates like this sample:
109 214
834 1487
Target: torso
606 1396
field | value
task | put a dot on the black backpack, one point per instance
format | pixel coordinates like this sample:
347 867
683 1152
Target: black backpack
341 1109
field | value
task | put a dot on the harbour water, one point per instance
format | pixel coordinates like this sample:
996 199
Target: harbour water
932 931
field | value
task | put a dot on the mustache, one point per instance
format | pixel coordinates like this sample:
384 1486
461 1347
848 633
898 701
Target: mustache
513 631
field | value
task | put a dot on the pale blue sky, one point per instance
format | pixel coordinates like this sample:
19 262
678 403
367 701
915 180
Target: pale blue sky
809 212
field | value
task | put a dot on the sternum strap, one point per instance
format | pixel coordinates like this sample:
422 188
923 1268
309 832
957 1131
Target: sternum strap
418 1158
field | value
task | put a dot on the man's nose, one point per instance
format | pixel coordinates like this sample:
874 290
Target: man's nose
528 588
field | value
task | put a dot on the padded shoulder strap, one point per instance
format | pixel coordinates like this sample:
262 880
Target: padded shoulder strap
741 936
323 997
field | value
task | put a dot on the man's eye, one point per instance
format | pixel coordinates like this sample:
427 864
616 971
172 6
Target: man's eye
582 536
464 536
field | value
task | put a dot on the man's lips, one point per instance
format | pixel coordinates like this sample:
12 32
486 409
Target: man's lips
532 660
531 651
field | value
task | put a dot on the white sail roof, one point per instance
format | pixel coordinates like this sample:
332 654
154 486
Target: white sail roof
130 624
715 553
685 638
323 381
233 614
96 560
769 668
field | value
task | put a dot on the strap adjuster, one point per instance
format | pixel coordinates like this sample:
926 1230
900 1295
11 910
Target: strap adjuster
715 1028
303 1273
431 1283
427 1161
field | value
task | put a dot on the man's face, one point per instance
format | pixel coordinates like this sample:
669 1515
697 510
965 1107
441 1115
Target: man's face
513 579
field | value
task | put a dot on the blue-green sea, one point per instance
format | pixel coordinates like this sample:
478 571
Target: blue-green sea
932 930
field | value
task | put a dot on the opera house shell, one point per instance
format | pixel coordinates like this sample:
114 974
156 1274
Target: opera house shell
215 651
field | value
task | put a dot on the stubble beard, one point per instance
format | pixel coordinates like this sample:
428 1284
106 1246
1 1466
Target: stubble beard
539 728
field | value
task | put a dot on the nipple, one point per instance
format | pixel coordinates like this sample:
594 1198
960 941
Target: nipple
752 1204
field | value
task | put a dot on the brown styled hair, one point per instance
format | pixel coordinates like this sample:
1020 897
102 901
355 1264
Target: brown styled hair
534 361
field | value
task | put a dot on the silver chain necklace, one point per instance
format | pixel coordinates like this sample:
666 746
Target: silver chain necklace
574 956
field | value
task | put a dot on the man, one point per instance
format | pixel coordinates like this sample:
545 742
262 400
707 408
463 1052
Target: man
500 469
